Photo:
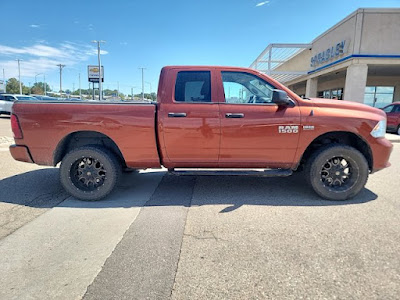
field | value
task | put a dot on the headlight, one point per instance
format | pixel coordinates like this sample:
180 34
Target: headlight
379 129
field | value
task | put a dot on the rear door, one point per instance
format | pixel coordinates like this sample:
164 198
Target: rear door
189 125
254 131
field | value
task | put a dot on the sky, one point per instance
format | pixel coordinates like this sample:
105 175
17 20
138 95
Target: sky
153 34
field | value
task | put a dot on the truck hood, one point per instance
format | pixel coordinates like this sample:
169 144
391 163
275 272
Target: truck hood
348 105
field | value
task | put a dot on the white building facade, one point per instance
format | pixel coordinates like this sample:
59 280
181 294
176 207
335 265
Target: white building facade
358 60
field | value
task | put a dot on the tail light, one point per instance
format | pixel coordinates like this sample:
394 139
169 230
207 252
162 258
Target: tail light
16 129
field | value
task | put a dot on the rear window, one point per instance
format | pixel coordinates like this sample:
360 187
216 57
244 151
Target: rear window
193 86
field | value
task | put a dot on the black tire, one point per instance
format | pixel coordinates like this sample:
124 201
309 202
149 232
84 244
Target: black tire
337 172
398 130
89 173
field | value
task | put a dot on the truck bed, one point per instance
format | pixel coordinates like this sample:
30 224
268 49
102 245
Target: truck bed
48 125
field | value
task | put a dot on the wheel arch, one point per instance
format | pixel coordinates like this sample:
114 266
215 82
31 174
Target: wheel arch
339 137
85 138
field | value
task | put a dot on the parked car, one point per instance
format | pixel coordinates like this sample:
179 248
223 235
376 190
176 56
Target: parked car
393 117
45 98
6 103
196 124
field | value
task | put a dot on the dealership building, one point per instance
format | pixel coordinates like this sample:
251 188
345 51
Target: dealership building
358 59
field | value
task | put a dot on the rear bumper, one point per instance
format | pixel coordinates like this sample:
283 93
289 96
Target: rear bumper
21 153
381 150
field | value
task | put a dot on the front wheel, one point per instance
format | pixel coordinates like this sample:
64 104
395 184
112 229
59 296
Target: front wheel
89 173
337 172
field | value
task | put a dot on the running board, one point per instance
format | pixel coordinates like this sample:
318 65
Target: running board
232 172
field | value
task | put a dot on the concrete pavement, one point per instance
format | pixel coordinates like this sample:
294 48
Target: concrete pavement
60 253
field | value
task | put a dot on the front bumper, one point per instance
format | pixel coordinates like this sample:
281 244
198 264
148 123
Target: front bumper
21 153
381 150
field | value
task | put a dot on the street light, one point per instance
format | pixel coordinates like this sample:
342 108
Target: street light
37 76
19 76
98 56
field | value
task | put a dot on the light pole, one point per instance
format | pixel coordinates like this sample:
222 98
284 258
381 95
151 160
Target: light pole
151 96
19 76
44 83
37 76
142 83
61 67
98 56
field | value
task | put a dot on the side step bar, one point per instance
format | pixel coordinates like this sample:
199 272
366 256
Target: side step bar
232 172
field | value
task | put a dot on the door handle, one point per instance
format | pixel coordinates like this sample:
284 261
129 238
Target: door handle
234 116
176 115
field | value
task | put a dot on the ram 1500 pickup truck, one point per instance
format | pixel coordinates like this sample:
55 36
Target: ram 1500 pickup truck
210 120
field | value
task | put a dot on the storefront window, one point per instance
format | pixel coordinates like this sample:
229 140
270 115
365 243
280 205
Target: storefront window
378 96
331 94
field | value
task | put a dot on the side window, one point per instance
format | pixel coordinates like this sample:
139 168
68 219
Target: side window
193 86
396 108
2 97
388 109
10 98
242 88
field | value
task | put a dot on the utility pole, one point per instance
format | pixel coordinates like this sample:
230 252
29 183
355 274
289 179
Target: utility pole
19 76
80 91
131 91
4 81
98 57
44 79
117 89
61 67
142 83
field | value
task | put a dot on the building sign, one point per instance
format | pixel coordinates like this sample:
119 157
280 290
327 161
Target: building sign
330 54
93 73
2 86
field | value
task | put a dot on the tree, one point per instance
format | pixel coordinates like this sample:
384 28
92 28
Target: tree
38 88
152 96
12 86
25 90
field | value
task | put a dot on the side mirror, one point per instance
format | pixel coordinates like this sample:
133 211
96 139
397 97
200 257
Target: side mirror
281 98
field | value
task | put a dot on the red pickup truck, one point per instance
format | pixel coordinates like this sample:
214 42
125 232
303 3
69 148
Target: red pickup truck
206 118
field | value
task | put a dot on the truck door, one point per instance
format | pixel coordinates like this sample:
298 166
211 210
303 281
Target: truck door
189 125
254 131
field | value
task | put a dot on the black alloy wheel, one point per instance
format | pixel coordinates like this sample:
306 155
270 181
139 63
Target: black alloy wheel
337 172
89 173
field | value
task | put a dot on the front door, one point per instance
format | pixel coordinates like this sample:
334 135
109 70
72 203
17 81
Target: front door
189 123
254 131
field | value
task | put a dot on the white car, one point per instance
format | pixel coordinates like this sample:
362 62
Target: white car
7 100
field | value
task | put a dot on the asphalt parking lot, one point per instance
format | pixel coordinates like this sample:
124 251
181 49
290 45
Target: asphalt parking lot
166 237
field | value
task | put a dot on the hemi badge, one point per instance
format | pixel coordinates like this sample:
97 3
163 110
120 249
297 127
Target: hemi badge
308 127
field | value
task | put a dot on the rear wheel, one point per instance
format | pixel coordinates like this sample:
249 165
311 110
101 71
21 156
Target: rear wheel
89 173
337 172
398 130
